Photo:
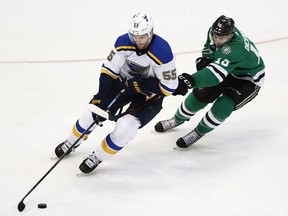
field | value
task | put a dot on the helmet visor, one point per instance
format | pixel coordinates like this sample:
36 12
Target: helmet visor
139 39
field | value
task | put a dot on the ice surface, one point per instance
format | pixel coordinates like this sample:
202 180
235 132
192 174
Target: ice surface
239 169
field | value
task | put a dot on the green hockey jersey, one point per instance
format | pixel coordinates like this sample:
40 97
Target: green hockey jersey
238 57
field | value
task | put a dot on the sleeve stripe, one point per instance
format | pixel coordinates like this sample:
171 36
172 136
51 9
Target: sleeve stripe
165 90
109 72
257 79
260 79
218 71
154 58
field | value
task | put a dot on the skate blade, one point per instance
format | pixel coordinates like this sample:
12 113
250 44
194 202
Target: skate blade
81 174
176 148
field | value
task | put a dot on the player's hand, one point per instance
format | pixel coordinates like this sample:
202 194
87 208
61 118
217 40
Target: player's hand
202 62
135 86
102 102
185 82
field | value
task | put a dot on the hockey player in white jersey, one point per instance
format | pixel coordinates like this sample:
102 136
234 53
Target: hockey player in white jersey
143 64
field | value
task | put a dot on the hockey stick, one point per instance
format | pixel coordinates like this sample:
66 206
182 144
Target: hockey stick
96 110
21 205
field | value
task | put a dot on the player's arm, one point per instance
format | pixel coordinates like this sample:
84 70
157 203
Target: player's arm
202 78
110 70
109 77
213 74
166 79
163 84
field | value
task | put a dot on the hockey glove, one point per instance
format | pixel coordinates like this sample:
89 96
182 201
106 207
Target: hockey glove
102 102
135 86
202 62
185 82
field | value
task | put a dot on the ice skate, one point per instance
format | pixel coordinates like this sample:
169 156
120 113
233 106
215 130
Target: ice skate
188 139
63 147
90 163
165 125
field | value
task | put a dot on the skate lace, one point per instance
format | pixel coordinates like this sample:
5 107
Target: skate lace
191 137
92 160
66 146
170 123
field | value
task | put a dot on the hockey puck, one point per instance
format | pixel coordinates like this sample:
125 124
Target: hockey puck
42 205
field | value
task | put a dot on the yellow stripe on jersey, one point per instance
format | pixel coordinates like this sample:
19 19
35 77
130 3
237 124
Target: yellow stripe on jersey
164 91
106 148
103 70
154 58
125 48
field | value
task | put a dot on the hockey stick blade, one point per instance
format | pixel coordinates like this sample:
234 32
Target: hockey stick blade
98 111
21 206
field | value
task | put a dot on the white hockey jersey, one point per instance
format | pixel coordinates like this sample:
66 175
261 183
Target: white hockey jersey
158 61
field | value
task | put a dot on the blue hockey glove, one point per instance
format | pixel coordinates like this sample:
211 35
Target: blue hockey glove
102 102
135 86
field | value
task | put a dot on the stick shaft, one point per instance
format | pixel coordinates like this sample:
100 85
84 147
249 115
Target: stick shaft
58 161
21 205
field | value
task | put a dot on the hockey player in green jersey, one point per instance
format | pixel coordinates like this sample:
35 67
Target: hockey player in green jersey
229 74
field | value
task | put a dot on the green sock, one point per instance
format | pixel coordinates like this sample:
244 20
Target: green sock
192 105
221 109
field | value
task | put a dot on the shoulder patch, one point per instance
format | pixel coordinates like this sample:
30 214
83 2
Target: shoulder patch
123 43
160 51
226 49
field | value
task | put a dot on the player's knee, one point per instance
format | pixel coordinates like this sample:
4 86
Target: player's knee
126 129
223 107
205 96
